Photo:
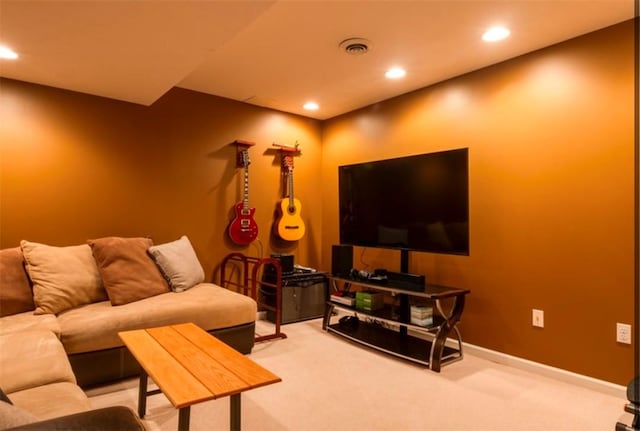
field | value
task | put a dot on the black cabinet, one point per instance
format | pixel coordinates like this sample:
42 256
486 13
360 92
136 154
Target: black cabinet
304 295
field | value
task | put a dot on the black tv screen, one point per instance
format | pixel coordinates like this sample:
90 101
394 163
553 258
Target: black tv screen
416 202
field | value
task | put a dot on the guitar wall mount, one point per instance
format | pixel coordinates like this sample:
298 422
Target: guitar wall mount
240 147
285 148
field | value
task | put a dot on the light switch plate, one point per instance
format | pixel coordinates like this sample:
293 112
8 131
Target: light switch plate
538 318
623 333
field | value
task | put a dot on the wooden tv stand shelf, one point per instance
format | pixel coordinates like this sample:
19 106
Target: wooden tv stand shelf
387 329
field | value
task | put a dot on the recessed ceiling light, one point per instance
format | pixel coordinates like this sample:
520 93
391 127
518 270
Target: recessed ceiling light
7 54
495 34
311 106
395 73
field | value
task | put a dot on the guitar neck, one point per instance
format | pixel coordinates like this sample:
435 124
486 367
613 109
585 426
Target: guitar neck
290 185
245 200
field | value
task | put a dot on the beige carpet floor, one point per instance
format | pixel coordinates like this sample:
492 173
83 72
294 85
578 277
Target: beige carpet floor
329 383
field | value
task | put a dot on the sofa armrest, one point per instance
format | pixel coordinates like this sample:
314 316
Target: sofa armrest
106 419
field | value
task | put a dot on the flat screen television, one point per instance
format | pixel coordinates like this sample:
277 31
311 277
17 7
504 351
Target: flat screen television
418 202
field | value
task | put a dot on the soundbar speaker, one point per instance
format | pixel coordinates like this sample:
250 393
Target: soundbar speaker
341 260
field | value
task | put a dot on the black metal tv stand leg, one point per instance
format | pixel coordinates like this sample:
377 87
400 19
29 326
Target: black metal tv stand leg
404 260
328 311
405 312
437 348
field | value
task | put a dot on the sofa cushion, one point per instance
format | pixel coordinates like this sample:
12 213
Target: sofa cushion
47 361
128 272
63 277
179 264
29 322
96 326
52 400
114 418
15 289
13 416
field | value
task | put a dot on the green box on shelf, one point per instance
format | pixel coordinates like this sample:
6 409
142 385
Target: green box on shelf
369 301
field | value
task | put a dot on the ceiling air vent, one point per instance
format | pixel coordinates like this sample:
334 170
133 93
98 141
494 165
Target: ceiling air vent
355 46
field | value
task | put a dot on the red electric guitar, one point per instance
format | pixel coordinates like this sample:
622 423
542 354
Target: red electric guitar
243 228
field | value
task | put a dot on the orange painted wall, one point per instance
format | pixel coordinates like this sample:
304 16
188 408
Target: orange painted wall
75 167
550 138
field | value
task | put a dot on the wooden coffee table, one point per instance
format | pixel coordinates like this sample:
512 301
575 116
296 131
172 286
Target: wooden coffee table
191 366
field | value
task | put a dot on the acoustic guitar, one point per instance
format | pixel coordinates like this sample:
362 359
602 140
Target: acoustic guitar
289 226
243 229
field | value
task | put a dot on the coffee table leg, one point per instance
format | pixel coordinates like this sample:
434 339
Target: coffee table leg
142 394
183 418
235 413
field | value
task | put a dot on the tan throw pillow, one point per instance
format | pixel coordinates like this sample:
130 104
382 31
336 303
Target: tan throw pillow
15 290
178 262
128 272
63 277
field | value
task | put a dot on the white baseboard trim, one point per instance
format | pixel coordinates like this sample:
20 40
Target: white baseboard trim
587 382
547 371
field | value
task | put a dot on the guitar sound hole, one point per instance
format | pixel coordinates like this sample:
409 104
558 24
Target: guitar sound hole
291 210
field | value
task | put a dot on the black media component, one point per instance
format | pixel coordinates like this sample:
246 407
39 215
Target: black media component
304 295
341 260
403 280
286 263
359 274
350 323
418 202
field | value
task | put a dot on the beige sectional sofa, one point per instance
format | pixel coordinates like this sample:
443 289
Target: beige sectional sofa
44 395
50 344
37 377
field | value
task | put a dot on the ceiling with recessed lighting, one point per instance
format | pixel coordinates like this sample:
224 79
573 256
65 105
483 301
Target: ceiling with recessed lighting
278 54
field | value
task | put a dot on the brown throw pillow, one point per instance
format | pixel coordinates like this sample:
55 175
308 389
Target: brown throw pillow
15 289
128 272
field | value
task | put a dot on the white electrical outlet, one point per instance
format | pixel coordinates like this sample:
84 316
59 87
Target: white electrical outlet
538 318
623 333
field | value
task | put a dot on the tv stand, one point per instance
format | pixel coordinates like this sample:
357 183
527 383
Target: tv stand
404 260
388 329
